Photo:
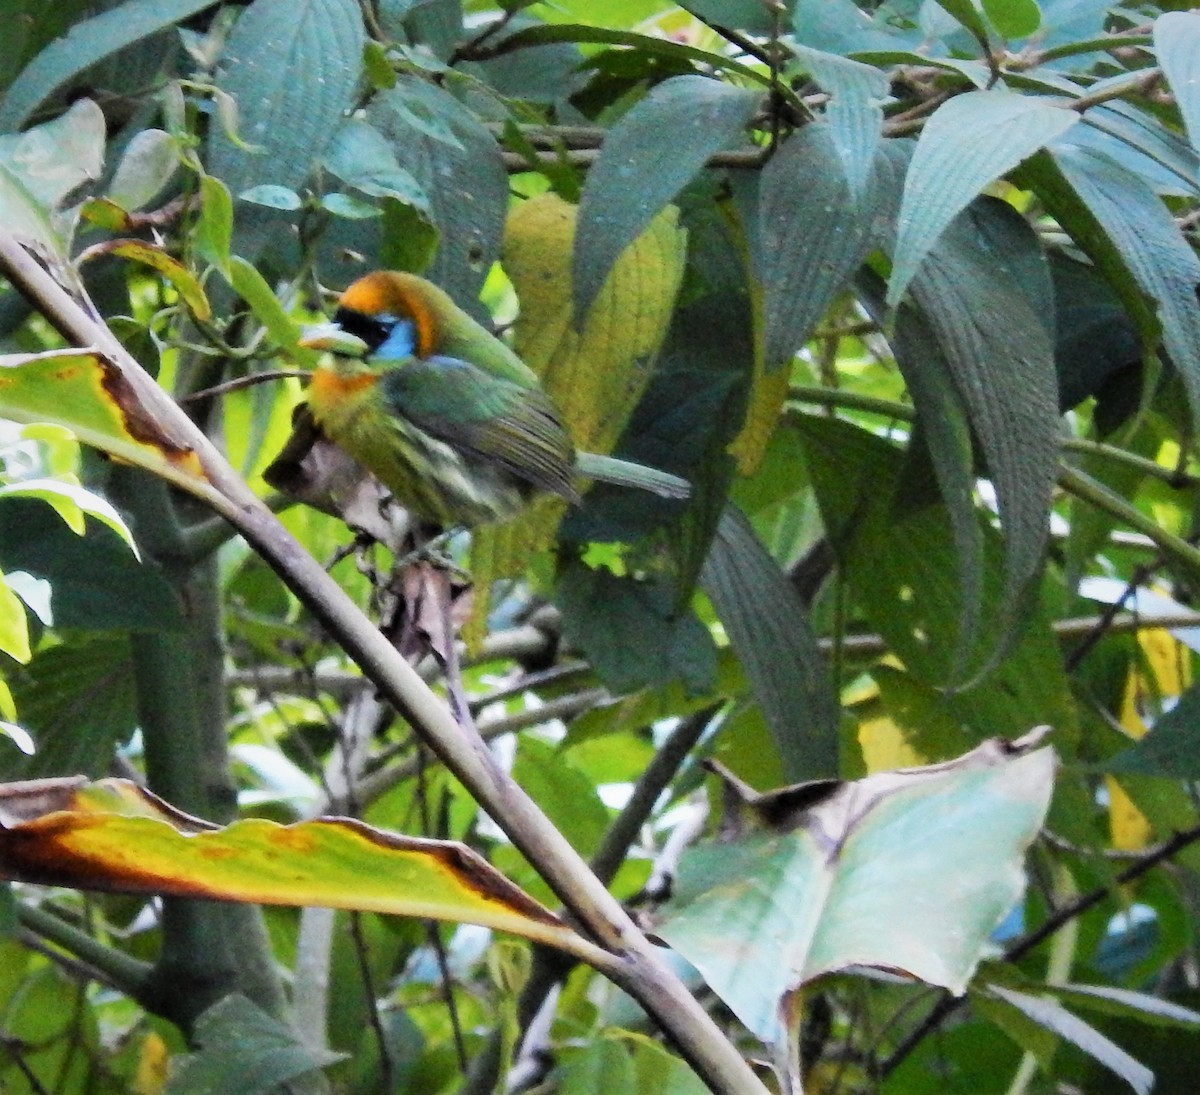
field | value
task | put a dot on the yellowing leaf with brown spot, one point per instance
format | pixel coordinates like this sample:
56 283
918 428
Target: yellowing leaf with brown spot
595 376
114 836
86 393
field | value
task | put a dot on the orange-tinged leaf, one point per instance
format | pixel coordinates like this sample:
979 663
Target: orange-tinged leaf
89 395
186 283
112 835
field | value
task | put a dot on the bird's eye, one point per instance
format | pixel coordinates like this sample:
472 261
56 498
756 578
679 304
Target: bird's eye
373 330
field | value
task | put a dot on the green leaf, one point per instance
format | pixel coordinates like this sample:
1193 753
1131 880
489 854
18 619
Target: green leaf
907 871
1149 243
660 641
968 143
1177 45
967 14
632 180
767 626
86 43
942 433
566 794
854 113
1054 1017
72 502
1140 142
983 294
361 157
1172 748
14 625
897 557
77 700
292 69
1109 1000
813 235
271 196
467 186
150 161
213 235
244 1049
1013 18
97 583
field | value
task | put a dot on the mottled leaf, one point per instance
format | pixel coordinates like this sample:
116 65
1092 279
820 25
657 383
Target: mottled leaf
148 254
968 143
909 871
632 180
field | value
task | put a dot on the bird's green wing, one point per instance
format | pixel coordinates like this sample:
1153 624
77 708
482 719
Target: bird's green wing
488 417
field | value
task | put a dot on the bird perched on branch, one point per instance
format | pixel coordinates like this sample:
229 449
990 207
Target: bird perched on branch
443 412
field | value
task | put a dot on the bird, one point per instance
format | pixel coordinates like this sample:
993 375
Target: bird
442 411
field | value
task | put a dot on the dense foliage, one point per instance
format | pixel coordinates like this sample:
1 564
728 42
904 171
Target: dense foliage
907 291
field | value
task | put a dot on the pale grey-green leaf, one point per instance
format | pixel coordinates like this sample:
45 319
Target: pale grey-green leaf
150 161
1054 1017
1177 43
968 143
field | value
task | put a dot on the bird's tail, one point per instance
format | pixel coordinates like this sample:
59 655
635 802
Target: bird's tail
625 473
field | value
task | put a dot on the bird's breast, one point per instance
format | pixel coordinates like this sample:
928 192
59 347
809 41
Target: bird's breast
337 398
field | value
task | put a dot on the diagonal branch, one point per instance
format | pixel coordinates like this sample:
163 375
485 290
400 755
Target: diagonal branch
637 966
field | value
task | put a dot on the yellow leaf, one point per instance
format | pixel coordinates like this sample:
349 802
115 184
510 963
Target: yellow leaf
595 376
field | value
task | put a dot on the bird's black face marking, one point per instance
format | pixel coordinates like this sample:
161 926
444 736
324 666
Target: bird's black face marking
373 330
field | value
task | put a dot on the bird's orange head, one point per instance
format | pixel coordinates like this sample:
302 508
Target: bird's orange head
388 308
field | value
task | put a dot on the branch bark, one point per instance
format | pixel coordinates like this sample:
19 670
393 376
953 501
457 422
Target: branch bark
637 967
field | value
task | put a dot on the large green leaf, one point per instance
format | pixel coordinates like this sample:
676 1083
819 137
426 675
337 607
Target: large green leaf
633 180
1149 243
292 68
661 641
766 623
968 143
457 163
1177 44
813 234
86 43
983 295
854 112
908 871
897 554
